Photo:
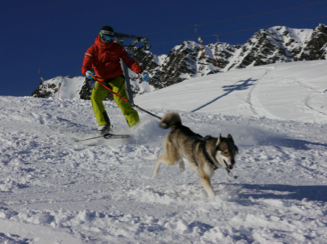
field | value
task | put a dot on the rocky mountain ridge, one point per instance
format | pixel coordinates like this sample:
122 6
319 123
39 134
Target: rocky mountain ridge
267 46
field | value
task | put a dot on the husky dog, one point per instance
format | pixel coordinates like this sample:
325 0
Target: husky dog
204 154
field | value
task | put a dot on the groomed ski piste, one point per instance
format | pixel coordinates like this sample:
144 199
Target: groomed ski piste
54 190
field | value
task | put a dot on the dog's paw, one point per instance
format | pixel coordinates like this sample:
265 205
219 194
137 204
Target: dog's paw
212 196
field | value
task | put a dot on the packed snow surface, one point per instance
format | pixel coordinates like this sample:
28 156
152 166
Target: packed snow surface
56 190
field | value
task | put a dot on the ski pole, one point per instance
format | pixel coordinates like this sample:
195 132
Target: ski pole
126 100
78 140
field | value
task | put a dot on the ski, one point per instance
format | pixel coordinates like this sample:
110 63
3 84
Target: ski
106 136
115 136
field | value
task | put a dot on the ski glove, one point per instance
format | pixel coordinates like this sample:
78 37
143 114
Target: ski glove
87 74
145 76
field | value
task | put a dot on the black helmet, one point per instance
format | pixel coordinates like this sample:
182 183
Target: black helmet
107 30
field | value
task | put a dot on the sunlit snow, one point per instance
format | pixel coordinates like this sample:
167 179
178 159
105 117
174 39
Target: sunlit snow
55 190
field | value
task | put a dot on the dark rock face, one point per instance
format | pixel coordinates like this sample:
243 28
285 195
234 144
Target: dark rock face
45 89
86 90
267 46
40 92
317 45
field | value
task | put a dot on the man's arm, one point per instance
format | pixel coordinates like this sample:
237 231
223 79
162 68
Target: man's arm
88 61
130 62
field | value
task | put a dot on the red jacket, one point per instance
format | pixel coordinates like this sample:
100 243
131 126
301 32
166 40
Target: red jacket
105 59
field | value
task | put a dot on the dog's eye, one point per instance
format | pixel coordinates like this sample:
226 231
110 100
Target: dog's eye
226 153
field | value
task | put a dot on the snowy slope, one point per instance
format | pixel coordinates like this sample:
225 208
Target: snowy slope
54 190
292 91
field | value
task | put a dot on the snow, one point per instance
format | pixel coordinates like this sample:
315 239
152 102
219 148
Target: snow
299 35
160 59
54 190
70 87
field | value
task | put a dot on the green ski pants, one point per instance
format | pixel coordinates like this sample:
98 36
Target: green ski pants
99 93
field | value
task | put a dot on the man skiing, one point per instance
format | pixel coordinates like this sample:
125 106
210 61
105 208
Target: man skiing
102 59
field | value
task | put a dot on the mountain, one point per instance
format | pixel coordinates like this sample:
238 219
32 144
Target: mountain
267 46
63 87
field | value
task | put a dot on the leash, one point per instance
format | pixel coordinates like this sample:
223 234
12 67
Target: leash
194 144
229 172
126 100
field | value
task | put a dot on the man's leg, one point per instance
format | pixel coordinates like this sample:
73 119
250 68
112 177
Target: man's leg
118 86
99 93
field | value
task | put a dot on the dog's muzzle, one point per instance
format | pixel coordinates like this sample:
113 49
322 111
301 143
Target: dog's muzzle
230 166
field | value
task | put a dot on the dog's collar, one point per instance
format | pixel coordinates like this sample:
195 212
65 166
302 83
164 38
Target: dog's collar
206 155
197 139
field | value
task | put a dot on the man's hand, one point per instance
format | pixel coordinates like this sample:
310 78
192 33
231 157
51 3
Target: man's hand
87 74
145 76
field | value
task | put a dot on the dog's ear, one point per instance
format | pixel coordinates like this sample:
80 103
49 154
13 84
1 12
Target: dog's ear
230 137
218 140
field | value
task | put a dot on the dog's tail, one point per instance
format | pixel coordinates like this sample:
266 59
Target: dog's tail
170 120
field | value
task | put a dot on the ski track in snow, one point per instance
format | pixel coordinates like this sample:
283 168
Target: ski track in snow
53 190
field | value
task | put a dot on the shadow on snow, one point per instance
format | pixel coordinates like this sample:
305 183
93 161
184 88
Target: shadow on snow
282 192
238 86
290 143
